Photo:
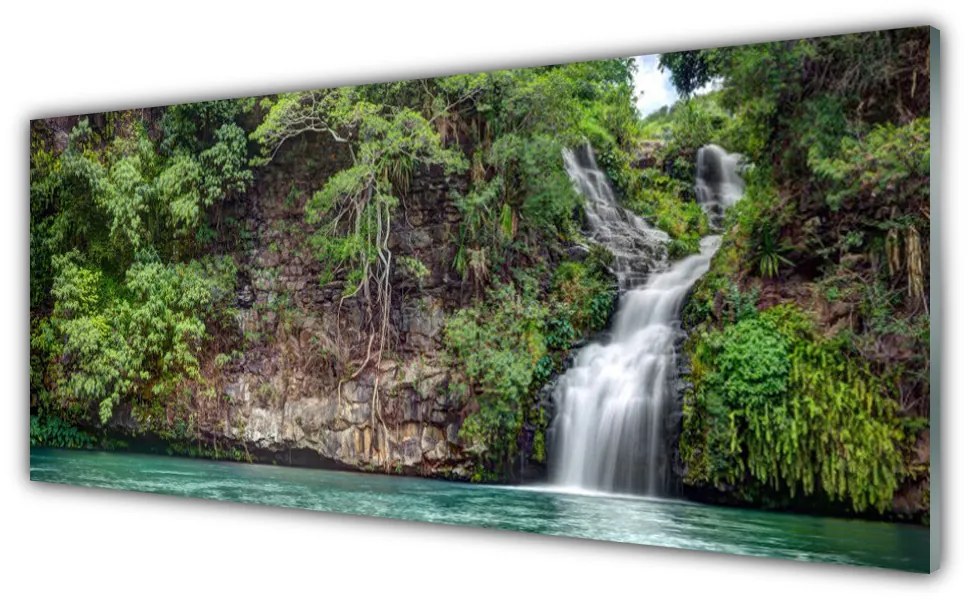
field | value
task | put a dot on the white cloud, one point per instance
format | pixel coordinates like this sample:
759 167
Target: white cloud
653 88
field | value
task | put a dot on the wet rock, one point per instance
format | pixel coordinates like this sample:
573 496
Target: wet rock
577 253
291 393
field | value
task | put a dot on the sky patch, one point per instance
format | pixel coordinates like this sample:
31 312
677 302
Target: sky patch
653 87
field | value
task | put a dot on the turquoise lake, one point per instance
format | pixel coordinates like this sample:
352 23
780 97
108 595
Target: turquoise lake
534 509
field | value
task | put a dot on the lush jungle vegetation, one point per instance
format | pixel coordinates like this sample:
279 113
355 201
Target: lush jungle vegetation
809 344
125 293
808 339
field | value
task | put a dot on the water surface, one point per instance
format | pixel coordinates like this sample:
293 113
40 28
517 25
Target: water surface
551 511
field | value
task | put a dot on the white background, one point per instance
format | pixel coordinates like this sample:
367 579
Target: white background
82 56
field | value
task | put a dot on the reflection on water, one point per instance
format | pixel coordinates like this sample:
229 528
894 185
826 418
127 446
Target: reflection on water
545 510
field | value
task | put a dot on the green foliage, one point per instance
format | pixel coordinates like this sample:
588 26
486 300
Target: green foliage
188 184
122 311
55 432
691 70
191 127
585 294
664 193
767 251
740 304
89 361
520 198
498 346
539 441
529 193
113 197
413 268
670 205
535 183
834 217
165 317
810 92
511 343
569 102
352 211
225 164
179 188
891 163
776 406
695 122
108 343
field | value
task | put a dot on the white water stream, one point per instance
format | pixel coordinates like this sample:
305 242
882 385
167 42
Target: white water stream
613 404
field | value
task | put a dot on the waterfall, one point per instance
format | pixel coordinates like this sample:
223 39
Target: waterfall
637 247
718 184
613 404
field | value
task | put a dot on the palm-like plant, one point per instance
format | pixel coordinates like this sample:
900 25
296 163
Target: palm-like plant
768 251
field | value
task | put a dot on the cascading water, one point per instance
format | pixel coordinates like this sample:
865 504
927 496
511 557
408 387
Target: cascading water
636 246
613 403
718 184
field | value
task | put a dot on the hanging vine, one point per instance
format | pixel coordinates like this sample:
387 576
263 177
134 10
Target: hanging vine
352 212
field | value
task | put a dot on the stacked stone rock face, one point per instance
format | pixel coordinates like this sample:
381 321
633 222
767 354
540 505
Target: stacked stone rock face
289 387
293 397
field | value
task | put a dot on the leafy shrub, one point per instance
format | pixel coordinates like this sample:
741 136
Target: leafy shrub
190 127
670 205
510 344
774 405
498 346
54 432
413 268
585 294
107 343
542 191
891 163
